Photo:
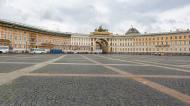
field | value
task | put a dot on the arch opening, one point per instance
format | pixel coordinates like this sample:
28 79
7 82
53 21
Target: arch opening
101 46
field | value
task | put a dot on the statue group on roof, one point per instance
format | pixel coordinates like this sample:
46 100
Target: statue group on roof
101 29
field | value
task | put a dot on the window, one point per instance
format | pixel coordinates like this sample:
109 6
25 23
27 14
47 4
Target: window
24 37
10 36
15 37
5 37
180 43
179 37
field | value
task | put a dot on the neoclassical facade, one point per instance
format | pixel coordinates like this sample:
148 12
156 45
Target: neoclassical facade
133 42
22 38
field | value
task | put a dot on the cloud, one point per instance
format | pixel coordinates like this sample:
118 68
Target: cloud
84 15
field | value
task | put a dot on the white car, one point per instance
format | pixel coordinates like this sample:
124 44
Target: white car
4 49
38 51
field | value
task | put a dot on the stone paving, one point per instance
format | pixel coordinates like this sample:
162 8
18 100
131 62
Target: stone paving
94 80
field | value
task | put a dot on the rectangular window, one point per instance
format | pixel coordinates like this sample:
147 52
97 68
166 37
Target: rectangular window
15 37
24 37
5 36
10 37
175 42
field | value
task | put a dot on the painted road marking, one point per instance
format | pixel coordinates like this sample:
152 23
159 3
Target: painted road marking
178 68
159 62
21 72
97 64
19 62
106 75
171 92
150 63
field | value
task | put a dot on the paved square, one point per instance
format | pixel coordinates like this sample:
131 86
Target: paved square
75 91
182 85
94 80
150 70
75 69
12 67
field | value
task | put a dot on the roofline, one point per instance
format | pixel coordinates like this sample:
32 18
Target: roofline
31 28
25 27
167 33
156 34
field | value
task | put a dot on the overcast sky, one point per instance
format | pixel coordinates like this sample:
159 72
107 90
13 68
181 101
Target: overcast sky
82 16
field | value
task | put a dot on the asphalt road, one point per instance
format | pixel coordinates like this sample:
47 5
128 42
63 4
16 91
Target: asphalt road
94 80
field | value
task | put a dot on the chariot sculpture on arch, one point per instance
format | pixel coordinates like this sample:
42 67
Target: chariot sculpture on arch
101 31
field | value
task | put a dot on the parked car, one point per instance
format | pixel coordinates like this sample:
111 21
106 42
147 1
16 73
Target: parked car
56 51
38 51
4 49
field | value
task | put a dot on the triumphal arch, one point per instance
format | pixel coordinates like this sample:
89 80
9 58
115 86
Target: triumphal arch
101 40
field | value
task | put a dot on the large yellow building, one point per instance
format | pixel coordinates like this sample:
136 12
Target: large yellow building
22 38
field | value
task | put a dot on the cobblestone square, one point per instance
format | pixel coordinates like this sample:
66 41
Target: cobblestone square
94 80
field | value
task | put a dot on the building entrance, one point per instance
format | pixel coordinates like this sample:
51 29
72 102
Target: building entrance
101 46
